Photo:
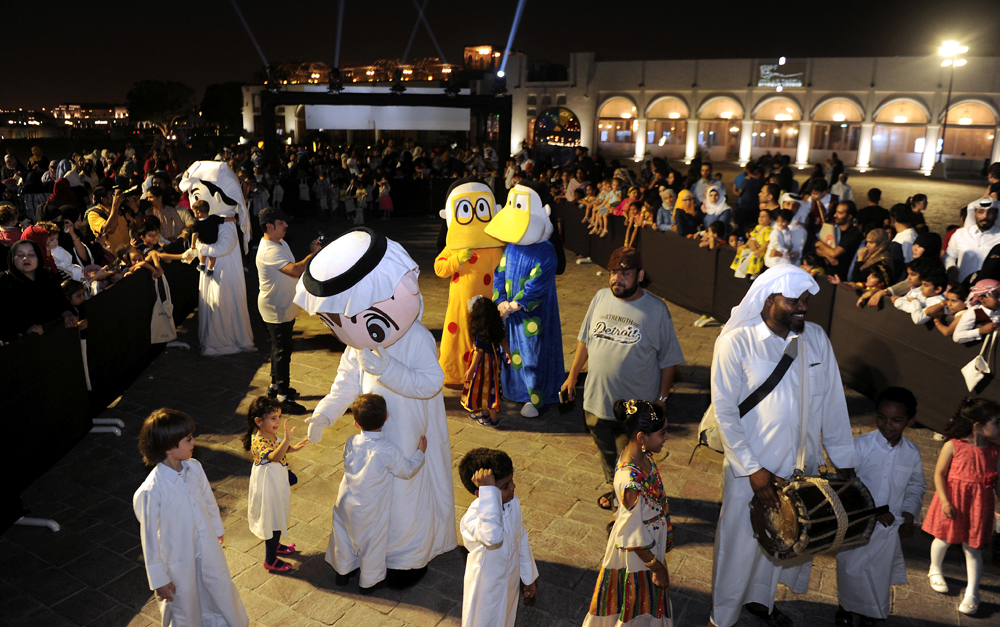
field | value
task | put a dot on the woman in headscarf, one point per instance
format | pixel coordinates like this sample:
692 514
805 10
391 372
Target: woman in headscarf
62 194
715 207
30 295
875 252
687 217
39 234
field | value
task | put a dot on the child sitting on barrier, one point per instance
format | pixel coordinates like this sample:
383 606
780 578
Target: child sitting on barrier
633 222
813 264
983 314
779 244
947 315
714 236
588 202
750 262
865 574
929 292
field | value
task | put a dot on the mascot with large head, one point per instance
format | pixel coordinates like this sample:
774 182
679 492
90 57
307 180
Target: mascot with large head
364 288
468 260
524 288
223 321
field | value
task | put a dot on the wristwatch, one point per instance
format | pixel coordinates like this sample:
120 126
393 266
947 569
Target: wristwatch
663 399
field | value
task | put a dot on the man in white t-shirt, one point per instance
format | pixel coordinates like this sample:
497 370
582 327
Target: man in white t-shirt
279 273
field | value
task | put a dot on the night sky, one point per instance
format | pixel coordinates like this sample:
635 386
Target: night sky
60 51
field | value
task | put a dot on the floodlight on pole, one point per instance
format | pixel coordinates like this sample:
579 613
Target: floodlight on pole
950 50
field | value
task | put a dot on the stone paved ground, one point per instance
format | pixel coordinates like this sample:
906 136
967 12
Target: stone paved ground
91 571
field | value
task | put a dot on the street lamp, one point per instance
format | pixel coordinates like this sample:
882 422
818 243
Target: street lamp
950 50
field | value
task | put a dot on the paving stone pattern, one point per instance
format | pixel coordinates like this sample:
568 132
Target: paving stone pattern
91 573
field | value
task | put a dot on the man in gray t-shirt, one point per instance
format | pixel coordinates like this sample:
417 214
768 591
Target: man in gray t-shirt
629 341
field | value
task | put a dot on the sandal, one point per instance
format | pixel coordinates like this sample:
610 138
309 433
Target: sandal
610 499
485 421
776 618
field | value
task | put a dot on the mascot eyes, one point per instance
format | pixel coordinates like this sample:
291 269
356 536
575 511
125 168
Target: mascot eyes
483 210
378 327
463 211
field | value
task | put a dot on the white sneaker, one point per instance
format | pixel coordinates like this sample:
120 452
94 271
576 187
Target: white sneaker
939 437
583 261
529 411
704 320
938 584
969 605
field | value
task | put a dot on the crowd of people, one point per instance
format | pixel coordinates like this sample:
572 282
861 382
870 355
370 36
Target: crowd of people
109 214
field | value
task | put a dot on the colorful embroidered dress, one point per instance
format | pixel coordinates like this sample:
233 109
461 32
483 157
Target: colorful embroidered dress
625 593
484 391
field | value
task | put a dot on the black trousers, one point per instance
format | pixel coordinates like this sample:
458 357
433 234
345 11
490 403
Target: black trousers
281 354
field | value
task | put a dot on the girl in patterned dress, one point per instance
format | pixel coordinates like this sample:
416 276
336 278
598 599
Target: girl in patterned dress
965 480
481 392
633 583
270 479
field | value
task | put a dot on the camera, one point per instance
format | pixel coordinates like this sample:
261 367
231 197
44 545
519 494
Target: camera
323 239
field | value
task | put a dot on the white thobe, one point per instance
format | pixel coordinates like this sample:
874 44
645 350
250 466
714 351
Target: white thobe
422 508
499 556
915 304
768 437
969 247
223 320
905 239
895 477
179 525
361 516
967 329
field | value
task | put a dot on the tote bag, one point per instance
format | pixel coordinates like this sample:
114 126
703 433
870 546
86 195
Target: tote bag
162 327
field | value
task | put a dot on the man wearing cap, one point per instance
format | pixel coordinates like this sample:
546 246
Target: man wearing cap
278 273
631 338
970 245
762 444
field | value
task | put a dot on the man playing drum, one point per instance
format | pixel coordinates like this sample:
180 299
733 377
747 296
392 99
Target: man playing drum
761 447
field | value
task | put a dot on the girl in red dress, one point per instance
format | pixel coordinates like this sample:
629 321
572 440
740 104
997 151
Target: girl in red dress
965 480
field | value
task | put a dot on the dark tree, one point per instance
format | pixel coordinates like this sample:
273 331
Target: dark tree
161 103
223 104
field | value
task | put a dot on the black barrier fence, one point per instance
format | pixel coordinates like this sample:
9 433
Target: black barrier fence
874 349
42 376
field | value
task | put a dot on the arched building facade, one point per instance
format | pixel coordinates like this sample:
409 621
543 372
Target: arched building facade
885 112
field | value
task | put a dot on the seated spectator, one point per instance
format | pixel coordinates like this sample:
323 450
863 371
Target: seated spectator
30 295
946 316
749 260
928 291
173 225
799 209
76 294
633 222
874 252
982 316
714 236
927 244
813 264
917 204
10 232
589 202
970 246
849 239
650 207
874 216
779 245
634 194
665 214
876 281
130 259
687 218
842 190
707 181
62 194
715 207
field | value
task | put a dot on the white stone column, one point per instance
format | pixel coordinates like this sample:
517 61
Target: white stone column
640 139
746 141
865 145
805 140
930 148
996 145
691 141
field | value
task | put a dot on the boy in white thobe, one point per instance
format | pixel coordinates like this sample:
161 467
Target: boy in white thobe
360 535
494 534
181 530
890 467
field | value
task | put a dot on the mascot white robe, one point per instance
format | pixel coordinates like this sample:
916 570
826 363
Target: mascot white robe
223 318
364 287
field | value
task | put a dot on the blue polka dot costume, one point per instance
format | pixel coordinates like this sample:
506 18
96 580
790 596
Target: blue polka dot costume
527 274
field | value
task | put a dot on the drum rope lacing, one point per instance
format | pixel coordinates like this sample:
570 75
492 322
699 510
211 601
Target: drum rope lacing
838 511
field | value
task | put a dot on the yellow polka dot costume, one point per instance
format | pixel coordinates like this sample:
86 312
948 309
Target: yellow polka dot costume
469 260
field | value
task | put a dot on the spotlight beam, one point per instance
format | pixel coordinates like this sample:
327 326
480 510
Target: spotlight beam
413 33
250 33
510 39
340 26
422 18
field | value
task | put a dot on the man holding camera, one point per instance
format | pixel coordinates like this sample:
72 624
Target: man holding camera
635 351
279 273
114 222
